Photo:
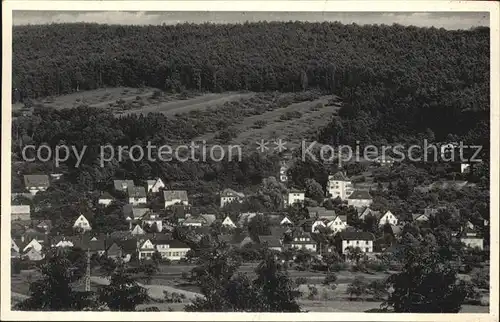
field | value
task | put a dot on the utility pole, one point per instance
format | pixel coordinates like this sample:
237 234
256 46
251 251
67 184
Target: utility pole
87 276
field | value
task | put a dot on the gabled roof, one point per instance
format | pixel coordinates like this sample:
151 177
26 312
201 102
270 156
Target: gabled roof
194 220
356 235
231 193
271 241
208 218
321 212
171 195
177 244
134 212
360 194
339 176
36 180
105 195
341 217
416 216
136 192
122 185
20 209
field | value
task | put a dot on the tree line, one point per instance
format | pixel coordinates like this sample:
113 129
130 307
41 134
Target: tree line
397 81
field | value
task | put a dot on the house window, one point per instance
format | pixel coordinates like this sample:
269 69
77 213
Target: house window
357 242
366 250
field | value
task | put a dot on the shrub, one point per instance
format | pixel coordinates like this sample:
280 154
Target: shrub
481 278
300 280
290 116
330 278
259 124
313 292
358 287
378 289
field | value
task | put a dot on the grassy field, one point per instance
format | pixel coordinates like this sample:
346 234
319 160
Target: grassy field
170 279
260 119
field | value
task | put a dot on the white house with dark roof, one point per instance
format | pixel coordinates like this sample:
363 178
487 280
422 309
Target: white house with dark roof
136 195
123 185
151 219
388 218
229 195
363 213
294 196
36 182
174 197
20 212
285 221
360 199
227 222
173 250
82 223
339 185
154 186
305 242
420 217
321 213
338 224
105 199
362 240
470 238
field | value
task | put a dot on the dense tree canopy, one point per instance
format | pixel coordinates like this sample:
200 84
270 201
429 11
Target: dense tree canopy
396 82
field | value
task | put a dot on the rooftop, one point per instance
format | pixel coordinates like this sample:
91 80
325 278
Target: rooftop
170 195
36 180
360 194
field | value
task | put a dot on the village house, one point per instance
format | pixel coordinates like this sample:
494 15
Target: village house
114 251
123 185
105 199
388 218
360 199
321 213
339 185
137 196
14 248
154 186
470 238
304 241
82 223
318 224
285 164
173 197
272 242
33 243
146 249
362 240
173 250
293 197
134 214
384 160
20 212
367 211
286 221
229 195
228 223
209 219
420 217
151 219
36 182
33 255
338 224
194 221
137 230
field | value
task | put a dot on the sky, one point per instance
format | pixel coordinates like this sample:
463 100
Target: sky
447 20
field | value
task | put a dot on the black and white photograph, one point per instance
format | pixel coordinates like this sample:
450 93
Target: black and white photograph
277 161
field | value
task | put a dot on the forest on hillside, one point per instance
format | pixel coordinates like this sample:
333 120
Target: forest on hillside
398 83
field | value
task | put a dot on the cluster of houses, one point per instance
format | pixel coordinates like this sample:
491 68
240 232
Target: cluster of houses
149 231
